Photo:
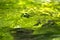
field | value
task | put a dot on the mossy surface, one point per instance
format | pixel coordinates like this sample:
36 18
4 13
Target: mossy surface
41 16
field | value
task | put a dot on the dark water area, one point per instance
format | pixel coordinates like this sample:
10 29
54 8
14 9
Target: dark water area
23 34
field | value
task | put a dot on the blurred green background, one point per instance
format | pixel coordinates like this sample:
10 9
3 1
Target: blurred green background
41 18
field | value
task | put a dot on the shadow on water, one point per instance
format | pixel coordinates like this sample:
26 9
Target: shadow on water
24 34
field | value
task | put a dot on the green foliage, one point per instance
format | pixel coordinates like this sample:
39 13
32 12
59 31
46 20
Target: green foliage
30 14
5 33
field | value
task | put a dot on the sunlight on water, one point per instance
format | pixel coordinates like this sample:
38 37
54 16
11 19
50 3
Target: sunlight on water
56 38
